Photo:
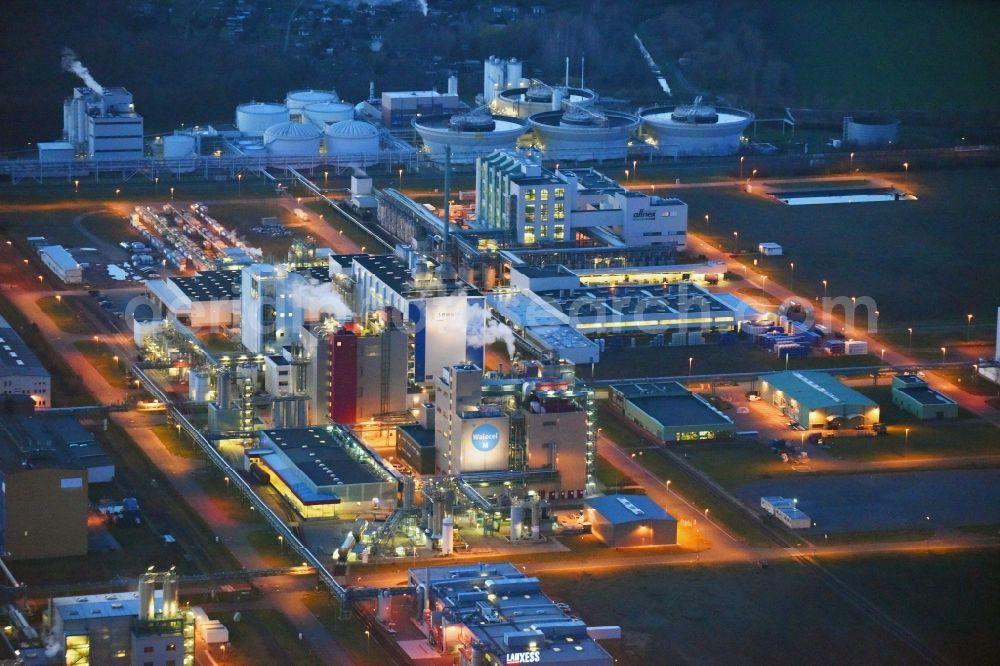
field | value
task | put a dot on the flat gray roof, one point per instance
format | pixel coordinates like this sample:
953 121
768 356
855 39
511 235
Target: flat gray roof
927 396
16 358
680 410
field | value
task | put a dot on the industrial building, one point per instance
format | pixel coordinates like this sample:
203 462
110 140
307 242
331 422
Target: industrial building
623 521
817 400
143 628
102 123
911 393
206 299
317 469
271 315
400 108
43 499
787 511
668 412
415 444
495 614
540 429
695 129
446 315
62 264
21 373
499 75
58 440
518 197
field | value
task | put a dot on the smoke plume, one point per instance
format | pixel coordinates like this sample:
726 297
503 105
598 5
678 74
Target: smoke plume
484 330
318 299
71 63
423 6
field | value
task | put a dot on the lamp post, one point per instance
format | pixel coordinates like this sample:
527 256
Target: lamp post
627 176
239 185
851 167
943 352
906 170
326 179
824 289
281 540
400 179
171 193
742 157
791 279
906 440
910 331
76 186
690 364
883 355
736 242
968 332
635 167
706 220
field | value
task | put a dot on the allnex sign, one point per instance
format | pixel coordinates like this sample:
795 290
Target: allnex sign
485 437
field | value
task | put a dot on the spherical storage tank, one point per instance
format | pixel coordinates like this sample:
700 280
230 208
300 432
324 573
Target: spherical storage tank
870 130
352 143
695 129
255 117
297 100
292 144
583 134
322 114
469 134
179 152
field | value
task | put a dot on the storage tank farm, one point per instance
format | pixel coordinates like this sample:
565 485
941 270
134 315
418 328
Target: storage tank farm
695 129
297 100
470 135
294 144
179 151
322 114
253 118
352 143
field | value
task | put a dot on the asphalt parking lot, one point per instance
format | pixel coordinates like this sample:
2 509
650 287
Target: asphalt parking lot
872 502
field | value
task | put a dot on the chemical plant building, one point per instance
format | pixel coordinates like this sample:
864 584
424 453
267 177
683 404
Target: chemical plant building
911 393
207 299
102 123
136 628
495 614
317 469
667 412
515 195
21 373
621 521
446 315
817 400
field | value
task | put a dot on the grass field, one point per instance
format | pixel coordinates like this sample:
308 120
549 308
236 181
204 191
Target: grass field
62 315
785 614
99 355
899 254
890 53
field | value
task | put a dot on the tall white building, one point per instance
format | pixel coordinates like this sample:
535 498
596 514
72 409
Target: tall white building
468 436
104 125
539 206
271 315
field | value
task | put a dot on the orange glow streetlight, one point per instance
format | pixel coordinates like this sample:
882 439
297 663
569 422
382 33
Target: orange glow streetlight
968 333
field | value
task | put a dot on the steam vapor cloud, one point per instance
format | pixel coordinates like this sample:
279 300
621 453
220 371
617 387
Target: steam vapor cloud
319 299
489 331
71 63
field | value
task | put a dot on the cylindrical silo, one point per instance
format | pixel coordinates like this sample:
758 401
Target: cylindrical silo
297 100
255 117
513 73
516 520
352 143
322 114
447 535
292 144
179 152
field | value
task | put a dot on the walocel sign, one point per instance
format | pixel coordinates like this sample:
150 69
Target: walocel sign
485 437
523 658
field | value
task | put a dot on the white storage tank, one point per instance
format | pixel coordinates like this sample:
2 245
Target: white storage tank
179 152
870 130
255 117
322 114
293 143
352 142
297 100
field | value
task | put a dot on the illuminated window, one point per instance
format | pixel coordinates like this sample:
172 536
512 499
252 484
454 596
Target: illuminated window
545 231
545 195
560 193
545 213
529 195
529 213
560 233
560 211
529 234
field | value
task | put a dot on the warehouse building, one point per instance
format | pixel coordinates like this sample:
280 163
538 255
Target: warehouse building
317 469
623 521
58 260
668 412
817 400
60 439
21 373
911 393
207 299
495 614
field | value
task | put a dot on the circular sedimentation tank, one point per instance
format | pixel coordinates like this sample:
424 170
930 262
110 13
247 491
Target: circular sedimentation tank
695 129
470 135
524 102
582 134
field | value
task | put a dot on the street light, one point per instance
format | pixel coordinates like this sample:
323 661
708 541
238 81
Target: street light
626 175
117 192
326 178
76 186
968 335
706 219
171 193
239 185
883 354
910 331
824 289
400 179
690 364
943 352
851 168
742 157
736 242
791 280
156 185
281 540
906 168
906 440
368 637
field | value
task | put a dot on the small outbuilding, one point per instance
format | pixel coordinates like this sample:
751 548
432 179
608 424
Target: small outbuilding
630 520
770 249
818 400
911 393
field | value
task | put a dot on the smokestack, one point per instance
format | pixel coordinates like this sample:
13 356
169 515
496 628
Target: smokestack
567 71
371 90
71 63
